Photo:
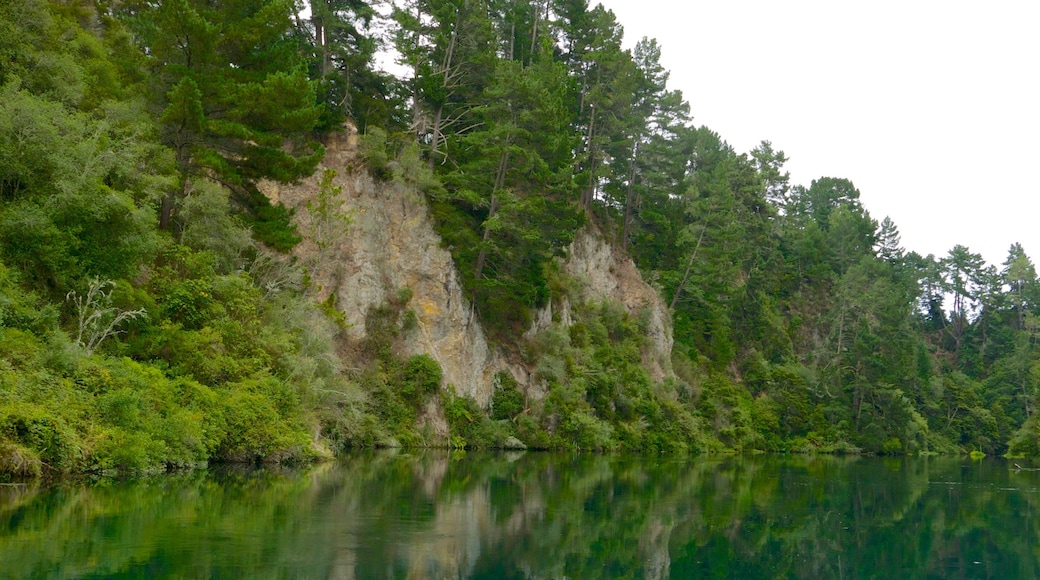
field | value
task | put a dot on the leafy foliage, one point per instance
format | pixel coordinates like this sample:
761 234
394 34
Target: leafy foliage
146 324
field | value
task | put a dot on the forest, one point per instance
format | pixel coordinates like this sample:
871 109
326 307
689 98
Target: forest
152 317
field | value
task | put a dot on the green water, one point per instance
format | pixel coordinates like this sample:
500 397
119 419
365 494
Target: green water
434 515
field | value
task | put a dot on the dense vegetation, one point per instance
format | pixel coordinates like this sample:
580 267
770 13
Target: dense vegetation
150 317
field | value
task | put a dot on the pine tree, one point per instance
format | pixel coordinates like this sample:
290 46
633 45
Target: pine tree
888 241
238 64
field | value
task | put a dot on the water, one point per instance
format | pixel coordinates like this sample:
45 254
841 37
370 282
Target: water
435 515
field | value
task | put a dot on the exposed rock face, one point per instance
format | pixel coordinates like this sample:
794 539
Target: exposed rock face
607 274
391 245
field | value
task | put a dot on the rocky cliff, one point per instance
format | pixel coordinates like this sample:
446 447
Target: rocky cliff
391 245
604 273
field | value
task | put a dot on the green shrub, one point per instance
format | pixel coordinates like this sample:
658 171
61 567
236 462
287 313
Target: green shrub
19 349
199 406
532 433
18 462
210 226
47 435
126 451
256 431
121 408
585 432
892 446
396 158
470 426
190 303
271 223
421 377
1026 440
162 422
373 149
21 308
384 323
183 434
506 400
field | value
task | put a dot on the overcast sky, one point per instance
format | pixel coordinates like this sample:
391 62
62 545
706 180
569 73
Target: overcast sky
932 109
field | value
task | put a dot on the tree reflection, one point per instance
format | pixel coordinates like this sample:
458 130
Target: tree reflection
437 515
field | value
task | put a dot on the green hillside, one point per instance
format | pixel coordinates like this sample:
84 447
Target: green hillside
151 315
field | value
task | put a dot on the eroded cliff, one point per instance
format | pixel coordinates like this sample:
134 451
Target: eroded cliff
391 250
605 273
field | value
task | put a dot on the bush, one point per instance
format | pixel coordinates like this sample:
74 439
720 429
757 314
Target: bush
506 400
532 433
257 431
892 446
21 308
372 147
148 422
585 432
421 377
127 452
470 426
47 435
271 223
384 323
1026 440
18 462
209 226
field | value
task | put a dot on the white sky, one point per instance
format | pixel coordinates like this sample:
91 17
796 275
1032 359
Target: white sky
932 109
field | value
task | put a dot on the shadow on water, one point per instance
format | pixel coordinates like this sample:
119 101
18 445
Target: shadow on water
437 515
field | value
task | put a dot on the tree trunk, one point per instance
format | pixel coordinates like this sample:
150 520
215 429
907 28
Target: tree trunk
686 275
628 197
166 208
590 191
1025 394
536 7
478 269
437 131
322 43
416 111
437 136
512 40
500 178
166 211
837 354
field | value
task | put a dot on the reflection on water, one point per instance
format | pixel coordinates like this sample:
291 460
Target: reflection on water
435 515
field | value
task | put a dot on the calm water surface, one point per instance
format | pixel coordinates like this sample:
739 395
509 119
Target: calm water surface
534 515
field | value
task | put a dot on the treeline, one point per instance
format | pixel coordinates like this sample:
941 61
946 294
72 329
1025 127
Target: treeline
147 318
801 322
150 317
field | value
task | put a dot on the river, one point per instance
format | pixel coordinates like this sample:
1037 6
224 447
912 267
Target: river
537 515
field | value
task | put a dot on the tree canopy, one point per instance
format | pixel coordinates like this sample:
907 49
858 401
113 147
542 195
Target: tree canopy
135 246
